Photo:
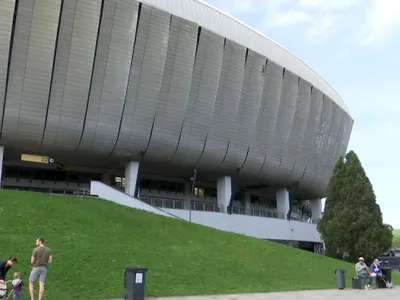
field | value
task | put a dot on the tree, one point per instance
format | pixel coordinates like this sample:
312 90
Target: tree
352 221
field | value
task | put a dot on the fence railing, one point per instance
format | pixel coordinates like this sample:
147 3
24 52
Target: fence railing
196 205
206 206
164 202
180 204
258 212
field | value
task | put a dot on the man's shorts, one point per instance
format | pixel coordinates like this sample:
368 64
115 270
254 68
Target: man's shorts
38 274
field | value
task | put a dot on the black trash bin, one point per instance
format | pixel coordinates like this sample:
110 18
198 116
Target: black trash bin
340 279
388 273
135 282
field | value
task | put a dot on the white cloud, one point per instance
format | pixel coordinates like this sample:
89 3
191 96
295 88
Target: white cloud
366 21
329 5
383 21
323 26
242 5
288 18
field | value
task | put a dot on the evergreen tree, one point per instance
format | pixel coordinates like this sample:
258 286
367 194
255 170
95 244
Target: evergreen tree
352 221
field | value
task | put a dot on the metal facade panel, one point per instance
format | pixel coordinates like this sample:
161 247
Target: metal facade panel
298 130
72 74
347 127
175 89
248 109
110 76
203 94
329 156
224 25
321 142
30 71
226 106
6 23
272 98
144 83
282 127
339 137
287 111
228 97
308 149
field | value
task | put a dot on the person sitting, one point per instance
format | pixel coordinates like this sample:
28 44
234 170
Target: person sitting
377 270
362 272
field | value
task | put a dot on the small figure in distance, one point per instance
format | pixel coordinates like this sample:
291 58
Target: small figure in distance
362 272
41 257
5 266
17 284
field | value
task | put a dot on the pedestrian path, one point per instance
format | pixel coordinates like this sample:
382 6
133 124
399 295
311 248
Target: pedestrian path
387 294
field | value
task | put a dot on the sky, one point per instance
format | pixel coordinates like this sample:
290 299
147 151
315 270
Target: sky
355 46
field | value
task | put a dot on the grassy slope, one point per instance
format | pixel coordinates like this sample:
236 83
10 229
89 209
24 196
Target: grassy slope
396 238
93 240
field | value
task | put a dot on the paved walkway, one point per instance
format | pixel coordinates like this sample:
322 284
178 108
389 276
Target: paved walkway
387 294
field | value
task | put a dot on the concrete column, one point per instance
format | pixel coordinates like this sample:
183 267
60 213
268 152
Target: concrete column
316 209
131 174
224 191
282 201
1 163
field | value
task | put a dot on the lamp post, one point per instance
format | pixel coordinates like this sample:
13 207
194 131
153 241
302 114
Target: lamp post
192 192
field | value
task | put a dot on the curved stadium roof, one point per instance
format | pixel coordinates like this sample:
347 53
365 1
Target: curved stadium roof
224 25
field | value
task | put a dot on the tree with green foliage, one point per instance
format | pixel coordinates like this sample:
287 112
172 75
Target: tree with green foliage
352 221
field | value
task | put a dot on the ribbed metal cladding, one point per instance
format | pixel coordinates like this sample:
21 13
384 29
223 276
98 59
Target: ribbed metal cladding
171 79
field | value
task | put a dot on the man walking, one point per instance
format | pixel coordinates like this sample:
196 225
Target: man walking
41 257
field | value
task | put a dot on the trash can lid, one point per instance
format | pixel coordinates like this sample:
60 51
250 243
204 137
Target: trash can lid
136 269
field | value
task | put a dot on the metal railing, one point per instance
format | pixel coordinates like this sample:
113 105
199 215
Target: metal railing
206 206
180 204
257 212
82 191
196 205
164 202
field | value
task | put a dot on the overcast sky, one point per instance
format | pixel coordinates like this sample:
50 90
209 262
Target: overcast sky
355 46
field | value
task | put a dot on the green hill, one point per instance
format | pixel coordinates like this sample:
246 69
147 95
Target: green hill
396 238
93 240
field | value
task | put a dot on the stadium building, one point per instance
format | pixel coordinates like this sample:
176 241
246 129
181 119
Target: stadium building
175 103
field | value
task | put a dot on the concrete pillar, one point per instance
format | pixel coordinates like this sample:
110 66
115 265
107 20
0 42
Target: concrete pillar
282 201
1 163
224 191
131 175
316 209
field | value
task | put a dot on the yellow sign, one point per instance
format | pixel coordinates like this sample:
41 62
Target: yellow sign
36 158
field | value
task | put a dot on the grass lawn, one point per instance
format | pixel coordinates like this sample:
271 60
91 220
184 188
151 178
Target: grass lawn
396 238
93 240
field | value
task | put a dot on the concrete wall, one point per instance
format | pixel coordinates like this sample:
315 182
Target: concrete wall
264 228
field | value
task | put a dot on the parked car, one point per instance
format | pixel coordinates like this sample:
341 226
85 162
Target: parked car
390 258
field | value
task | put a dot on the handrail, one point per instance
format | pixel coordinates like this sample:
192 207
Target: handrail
164 211
257 212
